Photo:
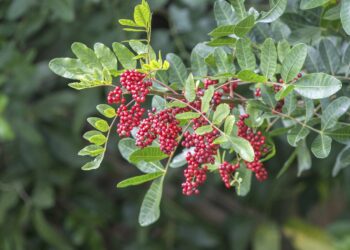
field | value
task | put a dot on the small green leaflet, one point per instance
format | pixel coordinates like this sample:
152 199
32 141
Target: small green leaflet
244 26
275 12
206 99
98 123
245 55
293 62
124 55
187 115
137 180
221 112
343 161
190 89
106 110
223 30
243 148
177 70
285 90
344 15
321 146
246 175
268 63
147 154
91 150
310 4
250 76
334 111
204 129
95 137
93 164
142 15
229 123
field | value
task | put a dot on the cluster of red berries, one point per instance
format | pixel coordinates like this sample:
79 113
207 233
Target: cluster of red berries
128 119
116 96
226 171
227 88
257 140
216 100
208 82
203 153
133 82
162 125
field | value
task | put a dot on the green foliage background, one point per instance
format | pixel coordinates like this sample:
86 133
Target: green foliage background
47 202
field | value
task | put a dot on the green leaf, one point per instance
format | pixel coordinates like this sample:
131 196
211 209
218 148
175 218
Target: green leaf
332 14
150 212
222 41
147 154
267 236
106 56
198 66
177 70
334 111
127 146
142 15
137 180
310 4
344 15
95 137
224 13
86 55
330 56
341 135
84 85
274 13
224 62
223 30
284 91
309 108
94 164
69 68
293 62
91 150
290 104
250 76
158 102
268 60
317 86
190 89
283 48
204 129
106 110
128 22
239 8
221 112
244 26
177 104
321 146
343 161
187 115
304 157
229 123
243 148
125 56
246 175
245 55
98 123
297 134
206 99
268 96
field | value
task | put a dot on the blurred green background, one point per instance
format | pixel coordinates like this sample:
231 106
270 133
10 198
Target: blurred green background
47 202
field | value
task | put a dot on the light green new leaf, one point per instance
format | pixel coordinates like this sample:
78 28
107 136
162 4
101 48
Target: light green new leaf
245 55
268 63
293 62
283 48
330 56
250 76
177 70
94 164
334 111
221 112
310 4
147 154
91 150
244 26
142 15
137 180
224 13
190 89
206 99
343 161
229 123
317 86
86 55
106 110
304 157
239 8
345 16
204 129
187 115
297 134
243 148
223 30
106 56
95 137
150 212
98 123
321 146
125 56
274 13
128 22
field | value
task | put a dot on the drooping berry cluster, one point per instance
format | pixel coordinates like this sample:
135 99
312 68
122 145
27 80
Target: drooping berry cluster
116 96
128 119
226 171
257 140
134 83
162 125
203 153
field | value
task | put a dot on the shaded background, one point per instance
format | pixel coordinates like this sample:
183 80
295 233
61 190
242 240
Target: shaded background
47 202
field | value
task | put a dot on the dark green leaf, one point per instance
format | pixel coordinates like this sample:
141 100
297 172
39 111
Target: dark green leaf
293 62
244 26
245 55
177 70
147 154
321 146
137 180
274 13
334 111
330 56
190 89
223 30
